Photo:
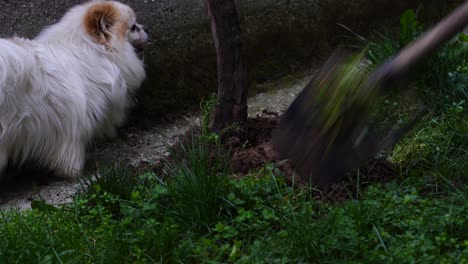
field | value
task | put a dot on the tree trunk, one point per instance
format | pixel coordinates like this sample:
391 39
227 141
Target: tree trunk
232 74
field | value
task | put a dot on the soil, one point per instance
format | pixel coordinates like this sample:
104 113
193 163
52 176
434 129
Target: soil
256 132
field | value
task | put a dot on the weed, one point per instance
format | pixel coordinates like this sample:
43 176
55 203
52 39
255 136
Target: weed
111 179
199 183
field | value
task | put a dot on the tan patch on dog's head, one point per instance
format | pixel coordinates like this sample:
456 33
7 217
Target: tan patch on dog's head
122 30
128 16
100 21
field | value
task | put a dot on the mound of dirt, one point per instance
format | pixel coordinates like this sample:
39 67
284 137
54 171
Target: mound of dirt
258 151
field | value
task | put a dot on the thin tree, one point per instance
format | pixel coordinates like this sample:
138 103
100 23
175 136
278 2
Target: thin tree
232 73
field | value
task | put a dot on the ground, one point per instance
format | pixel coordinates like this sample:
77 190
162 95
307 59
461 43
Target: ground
143 148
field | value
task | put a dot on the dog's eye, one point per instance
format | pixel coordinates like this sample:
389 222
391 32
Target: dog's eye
133 28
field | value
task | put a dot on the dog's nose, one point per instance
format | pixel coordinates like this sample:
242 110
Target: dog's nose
147 31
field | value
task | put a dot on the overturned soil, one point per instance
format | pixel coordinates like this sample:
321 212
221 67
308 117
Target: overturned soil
260 151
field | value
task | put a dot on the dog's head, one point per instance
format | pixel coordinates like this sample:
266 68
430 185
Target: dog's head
110 22
102 27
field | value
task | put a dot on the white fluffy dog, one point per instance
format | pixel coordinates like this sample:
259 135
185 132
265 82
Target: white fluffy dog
71 83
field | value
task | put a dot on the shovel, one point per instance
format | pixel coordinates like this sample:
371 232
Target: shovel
328 129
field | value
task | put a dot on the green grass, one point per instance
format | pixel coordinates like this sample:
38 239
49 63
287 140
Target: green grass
197 213
256 219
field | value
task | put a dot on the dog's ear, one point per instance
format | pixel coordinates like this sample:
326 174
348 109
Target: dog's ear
99 21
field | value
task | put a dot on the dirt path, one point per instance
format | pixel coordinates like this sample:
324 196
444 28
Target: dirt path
139 148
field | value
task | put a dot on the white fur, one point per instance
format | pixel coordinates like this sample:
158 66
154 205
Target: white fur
60 90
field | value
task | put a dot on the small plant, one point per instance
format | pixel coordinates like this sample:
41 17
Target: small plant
207 107
111 179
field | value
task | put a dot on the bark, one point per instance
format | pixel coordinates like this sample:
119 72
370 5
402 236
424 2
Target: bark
232 74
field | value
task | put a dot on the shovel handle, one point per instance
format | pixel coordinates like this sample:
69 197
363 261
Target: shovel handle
399 66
